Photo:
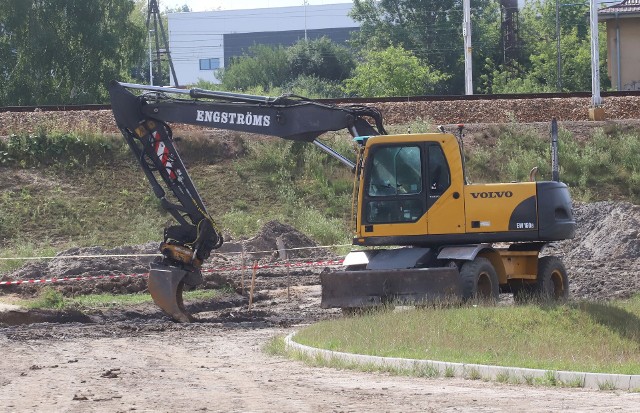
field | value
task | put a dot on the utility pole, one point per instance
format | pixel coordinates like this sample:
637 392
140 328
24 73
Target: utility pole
466 32
150 60
596 99
153 9
596 111
559 80
509 31
305 3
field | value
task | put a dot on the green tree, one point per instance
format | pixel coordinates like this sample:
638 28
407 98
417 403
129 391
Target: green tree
537 71
263 66
321 63
432 30
321 58
64 51
392 72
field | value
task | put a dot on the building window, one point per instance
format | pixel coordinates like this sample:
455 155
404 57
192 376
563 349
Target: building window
209 64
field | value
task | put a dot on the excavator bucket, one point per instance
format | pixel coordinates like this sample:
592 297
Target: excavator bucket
371 288
165 286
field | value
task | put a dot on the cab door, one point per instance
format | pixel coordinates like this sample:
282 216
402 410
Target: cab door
445 200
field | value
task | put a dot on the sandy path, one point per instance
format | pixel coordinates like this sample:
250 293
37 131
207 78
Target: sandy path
225 370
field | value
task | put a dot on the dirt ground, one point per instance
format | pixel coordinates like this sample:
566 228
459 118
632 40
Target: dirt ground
218 365
135 359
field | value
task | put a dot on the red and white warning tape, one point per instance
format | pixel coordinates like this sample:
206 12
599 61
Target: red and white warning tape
64 279
279 265
325 263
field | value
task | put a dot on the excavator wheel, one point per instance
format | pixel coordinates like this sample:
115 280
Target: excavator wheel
479 281
552 283
166 284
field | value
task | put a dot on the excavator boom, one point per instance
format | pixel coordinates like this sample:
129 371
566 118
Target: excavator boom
143 120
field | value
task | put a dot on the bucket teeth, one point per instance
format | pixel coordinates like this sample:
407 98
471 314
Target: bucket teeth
165 286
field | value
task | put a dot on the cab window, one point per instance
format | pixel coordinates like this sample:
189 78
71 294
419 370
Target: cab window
395 186
396 170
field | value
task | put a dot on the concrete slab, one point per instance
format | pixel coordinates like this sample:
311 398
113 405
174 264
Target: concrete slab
634 383
607 381
570 378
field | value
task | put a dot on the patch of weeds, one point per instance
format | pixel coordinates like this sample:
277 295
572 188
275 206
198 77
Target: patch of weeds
48 298
606 385
574 383
549 379
275 346
449 372
425 370
529 379
474 374
514 380
503 377
63 149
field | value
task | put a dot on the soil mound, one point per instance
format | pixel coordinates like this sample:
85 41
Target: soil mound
106 262
264 245
99 262
603 260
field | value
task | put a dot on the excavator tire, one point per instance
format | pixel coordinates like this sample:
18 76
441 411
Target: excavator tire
479 281
552 283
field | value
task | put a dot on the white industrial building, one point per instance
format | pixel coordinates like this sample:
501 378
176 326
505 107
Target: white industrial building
201 42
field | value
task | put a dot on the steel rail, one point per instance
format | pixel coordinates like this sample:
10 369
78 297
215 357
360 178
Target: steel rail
394 99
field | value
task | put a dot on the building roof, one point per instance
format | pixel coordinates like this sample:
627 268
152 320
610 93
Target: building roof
626 8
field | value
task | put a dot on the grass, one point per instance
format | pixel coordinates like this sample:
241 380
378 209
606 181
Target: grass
605 166
49 298
575 337
81 188
68 201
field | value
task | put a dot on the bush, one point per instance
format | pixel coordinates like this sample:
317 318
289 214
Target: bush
58 148
48 298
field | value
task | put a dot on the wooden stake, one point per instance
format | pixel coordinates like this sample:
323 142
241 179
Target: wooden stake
253 283
244 268
282 251
288 283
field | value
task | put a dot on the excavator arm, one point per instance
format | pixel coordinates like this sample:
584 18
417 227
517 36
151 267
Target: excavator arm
143 120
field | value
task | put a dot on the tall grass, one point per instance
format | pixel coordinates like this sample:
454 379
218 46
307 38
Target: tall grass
312 190
580 337
607 165
61 149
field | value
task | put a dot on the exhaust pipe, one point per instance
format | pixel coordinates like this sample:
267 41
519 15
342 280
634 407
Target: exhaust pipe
555 167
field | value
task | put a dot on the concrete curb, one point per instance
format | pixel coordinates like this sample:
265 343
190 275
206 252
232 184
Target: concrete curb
477 371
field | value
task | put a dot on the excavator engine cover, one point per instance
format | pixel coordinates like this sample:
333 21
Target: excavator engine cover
166 284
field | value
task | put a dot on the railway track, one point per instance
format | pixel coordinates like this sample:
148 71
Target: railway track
396 99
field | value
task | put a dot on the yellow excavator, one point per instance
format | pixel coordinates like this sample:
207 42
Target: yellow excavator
432 236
